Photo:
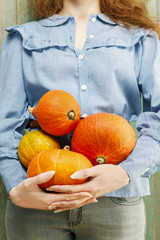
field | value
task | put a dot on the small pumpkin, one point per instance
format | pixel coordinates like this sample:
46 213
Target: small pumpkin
63 162
34 142
57 112
104 138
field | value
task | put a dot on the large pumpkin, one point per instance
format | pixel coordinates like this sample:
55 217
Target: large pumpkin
104 138
63 162
34 142
57 112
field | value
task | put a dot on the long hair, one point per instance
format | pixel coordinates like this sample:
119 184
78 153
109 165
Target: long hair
131 13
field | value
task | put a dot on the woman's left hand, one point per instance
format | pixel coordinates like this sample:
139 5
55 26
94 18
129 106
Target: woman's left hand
102 179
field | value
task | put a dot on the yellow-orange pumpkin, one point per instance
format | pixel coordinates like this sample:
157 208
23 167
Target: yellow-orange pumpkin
104 138
34 142
57 112
63 162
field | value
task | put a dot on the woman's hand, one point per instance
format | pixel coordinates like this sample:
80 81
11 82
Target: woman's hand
103 179
28 195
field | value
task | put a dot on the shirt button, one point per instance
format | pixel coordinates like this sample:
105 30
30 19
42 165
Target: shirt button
147 169
93 19
84 115
80 56
83 87
91 36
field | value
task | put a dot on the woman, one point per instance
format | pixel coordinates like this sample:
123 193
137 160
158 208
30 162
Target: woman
104 53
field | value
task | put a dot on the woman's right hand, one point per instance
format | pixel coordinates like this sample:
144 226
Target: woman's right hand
28 194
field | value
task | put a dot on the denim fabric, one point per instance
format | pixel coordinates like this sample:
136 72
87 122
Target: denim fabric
109 74
109 219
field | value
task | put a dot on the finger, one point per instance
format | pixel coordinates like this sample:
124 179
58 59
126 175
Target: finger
92 200
84 173
70 188
68 204
69 197
79 195
40 178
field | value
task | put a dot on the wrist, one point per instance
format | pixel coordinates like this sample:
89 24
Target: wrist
13 194
124 175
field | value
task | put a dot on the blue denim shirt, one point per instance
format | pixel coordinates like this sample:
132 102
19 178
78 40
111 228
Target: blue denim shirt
109 74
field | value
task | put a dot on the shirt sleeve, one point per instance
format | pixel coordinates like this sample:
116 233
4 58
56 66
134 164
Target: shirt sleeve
13 110
145 158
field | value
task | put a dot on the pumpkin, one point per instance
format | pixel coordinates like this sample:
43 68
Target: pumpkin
63 162
104 138
57 112
34 142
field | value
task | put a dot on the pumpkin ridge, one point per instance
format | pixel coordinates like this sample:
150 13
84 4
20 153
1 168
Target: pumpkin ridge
125 143
58 127
65 110
25 154
25 162
83 130
92 149
29 143
106 149
68 160
55 163
130 137
107 145
97 138
38 162
109 156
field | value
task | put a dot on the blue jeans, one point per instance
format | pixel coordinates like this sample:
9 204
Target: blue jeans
109 219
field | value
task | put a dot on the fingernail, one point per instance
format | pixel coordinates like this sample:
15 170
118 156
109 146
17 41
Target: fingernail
51 207
75 176
57 211
49 189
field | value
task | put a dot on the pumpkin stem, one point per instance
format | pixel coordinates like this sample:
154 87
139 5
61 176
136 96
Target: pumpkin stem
100 160
26 130
32 110
71 115
67 147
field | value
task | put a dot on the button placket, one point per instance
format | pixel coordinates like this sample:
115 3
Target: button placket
90 29
83 76
83 87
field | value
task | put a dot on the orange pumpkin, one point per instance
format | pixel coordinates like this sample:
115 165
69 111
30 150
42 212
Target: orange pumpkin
63 162
57 112
34 142
104 138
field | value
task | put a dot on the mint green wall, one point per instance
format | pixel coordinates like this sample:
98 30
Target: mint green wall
154 8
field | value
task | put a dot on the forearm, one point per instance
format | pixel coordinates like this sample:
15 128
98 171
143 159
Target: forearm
12 172
145 157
